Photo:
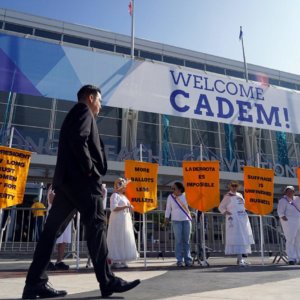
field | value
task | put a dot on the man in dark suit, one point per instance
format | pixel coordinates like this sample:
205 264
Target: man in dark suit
81 163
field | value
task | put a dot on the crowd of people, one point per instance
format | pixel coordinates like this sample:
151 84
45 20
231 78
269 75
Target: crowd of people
77 186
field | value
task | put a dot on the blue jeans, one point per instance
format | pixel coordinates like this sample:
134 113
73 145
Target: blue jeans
182 233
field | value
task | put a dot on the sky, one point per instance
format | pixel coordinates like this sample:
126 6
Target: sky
270 27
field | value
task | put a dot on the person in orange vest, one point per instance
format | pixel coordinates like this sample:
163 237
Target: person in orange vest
38 212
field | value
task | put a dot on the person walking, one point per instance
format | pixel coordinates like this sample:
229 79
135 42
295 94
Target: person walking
120 236
288 210
81 163
239 236
177 208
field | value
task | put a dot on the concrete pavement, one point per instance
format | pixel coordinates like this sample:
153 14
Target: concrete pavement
162 279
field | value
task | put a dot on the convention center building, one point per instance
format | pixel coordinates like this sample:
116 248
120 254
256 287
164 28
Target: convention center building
43 63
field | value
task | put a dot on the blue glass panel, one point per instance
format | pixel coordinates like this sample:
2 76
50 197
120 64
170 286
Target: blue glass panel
48 34
18 28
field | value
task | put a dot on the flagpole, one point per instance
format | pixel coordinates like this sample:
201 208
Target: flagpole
248 147
132 29
244 56
246 133
144 220
204 262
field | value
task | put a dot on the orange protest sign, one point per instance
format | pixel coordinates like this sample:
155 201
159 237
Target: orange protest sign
258 190
201 181
298 174
14 166
142 188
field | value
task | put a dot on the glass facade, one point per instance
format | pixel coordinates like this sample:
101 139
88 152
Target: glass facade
169 139
37 122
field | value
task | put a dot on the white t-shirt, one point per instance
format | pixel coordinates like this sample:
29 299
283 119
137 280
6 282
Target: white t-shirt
173 209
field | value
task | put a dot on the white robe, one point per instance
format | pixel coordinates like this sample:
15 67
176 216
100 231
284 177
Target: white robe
291 227
66 236
239 235
120 236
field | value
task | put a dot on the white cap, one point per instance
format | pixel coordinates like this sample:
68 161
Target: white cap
289 187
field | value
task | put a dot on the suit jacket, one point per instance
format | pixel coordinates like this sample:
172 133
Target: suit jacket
80 156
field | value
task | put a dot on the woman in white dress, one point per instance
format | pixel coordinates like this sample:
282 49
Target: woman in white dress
239 235
62 240
289 213
120 236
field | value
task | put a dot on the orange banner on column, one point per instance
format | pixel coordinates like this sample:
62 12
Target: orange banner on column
202 185
259 190
14 166
142 190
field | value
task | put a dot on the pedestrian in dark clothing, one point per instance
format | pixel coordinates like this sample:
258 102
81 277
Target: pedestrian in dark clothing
81 163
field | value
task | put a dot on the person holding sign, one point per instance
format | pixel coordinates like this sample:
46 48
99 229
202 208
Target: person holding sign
177 208
120 236
81 163
288 210
239 235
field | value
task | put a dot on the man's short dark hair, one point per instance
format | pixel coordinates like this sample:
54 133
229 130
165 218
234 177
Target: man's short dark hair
87 90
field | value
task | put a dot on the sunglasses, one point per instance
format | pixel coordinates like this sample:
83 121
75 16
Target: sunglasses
234 185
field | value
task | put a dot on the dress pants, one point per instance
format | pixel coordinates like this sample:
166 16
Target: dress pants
68 199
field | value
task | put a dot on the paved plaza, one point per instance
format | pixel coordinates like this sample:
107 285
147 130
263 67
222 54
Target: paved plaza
162 279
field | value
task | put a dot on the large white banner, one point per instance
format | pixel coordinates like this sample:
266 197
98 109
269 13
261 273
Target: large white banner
154 87
59 71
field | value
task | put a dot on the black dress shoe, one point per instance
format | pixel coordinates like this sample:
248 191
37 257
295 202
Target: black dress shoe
119 286
41 291
291 262
51 266
61 266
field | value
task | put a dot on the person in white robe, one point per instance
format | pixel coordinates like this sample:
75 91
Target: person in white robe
62 241
120 235
239 236
288 210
